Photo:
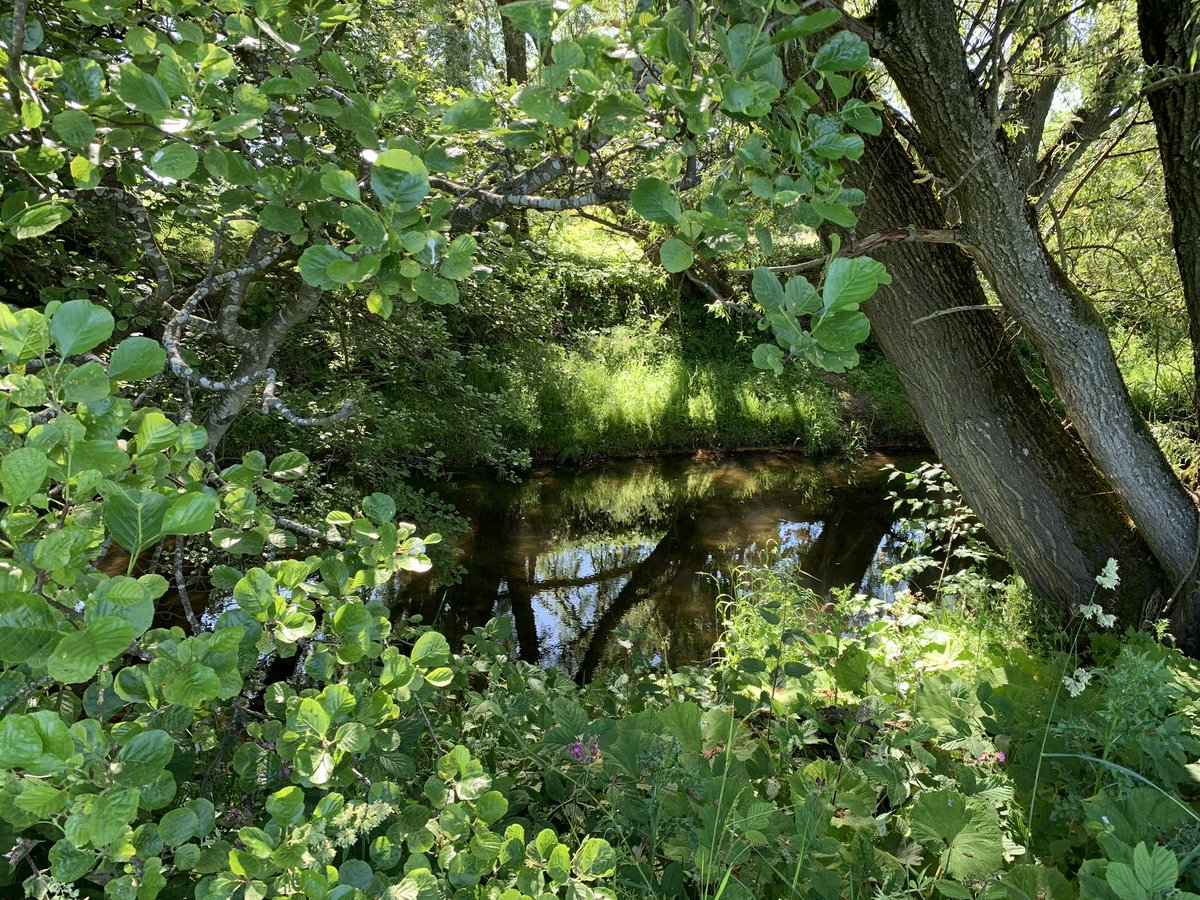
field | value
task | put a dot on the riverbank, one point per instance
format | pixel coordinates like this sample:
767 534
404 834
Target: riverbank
627 392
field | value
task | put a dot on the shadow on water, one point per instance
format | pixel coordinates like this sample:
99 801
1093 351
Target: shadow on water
572 554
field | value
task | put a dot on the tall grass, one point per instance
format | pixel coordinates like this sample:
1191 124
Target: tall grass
627 391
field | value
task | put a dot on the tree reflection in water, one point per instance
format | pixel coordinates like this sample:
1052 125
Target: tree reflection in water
571 554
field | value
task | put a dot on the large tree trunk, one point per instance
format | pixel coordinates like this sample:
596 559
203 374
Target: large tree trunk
920 45
1169 32
1027 478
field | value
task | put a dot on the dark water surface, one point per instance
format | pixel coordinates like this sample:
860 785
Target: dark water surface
572 554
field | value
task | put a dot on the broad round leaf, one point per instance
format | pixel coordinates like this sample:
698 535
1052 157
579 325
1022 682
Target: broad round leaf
136 358
468 114
177 161
79 325
79 654
676 256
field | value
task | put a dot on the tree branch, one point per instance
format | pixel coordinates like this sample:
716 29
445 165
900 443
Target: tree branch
15 80
872 242
530 201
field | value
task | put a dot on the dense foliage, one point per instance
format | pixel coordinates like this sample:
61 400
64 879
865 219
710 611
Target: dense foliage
214 205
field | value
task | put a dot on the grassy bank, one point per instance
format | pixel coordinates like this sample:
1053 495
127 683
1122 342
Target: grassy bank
633 390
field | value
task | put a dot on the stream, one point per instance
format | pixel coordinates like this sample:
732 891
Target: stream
576 555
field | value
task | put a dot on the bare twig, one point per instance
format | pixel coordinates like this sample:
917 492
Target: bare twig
990 307
181 586
872 242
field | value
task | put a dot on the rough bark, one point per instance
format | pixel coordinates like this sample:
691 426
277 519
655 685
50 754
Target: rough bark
267 340
516 53
919 44
1168 34
1028 479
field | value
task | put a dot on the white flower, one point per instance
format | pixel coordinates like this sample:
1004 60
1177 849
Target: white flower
1096 611
1108 577
1076 682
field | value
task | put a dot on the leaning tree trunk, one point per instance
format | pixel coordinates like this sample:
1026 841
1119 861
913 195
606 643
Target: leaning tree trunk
1027 478
920 45
1169 30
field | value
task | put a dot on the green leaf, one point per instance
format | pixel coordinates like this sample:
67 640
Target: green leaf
22 473
746 48
315 262
34 33
144 757
124 597
74 128
136 358
543 104
656 201
134 518
1124 883
78 655
848 282
806 25
967 836
43 800
20 743
82 81
841 330
42 218
379 508
467 114
340 183
140 90
618 113
192 513
111 815
192 686
368 228
27 625
86 384
178 826
534 17
844 52
156 432
491 807
558 866
595 859
399 180
281 218
288 466
835 212
1157 869
430 651
312 717
85 173
79 325
24 335
676 256
769 356
176 160
286 806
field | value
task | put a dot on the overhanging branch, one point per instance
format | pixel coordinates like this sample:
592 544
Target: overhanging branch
872 242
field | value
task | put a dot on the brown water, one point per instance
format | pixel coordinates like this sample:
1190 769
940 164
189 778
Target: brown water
573 555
